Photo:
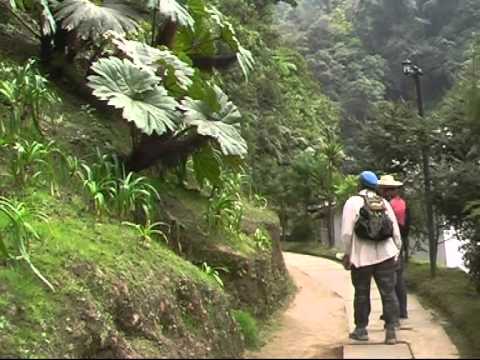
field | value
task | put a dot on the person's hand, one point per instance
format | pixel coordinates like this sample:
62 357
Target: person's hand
347 265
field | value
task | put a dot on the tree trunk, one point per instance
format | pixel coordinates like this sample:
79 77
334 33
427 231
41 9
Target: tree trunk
165 149
283 222
166 34
330 224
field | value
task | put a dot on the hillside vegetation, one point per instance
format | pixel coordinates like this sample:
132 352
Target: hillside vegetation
180 260
355 50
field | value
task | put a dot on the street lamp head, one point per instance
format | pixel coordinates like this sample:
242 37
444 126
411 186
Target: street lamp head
407 67
410 69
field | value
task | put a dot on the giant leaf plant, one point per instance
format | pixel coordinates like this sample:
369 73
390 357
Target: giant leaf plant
219 124
90 20
137 91
157 60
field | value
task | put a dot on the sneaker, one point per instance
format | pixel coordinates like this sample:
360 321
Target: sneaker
390 337
360 334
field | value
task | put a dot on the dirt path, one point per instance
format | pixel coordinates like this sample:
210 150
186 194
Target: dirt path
317 323
314 326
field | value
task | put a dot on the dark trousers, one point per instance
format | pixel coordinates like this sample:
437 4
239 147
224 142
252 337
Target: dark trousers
401 288
385 277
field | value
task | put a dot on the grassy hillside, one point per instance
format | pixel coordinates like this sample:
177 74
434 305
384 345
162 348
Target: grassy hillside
108 288
195 293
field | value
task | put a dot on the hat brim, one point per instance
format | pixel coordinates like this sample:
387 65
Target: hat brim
394 184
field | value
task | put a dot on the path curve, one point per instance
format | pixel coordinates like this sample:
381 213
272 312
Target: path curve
317 323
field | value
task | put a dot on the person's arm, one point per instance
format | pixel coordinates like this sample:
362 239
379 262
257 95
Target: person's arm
406 228
397 238
348 223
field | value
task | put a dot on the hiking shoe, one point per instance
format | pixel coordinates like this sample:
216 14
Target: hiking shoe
360 334
390 337
397 325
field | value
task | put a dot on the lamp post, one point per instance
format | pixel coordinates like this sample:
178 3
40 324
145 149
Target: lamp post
410 69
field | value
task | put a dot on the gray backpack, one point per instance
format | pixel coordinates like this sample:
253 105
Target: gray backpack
373 223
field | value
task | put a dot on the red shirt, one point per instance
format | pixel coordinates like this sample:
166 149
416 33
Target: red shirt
400 209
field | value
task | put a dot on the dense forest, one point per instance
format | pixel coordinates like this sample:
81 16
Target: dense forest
355 50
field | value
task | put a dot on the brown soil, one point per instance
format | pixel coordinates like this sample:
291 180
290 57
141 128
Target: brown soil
314 326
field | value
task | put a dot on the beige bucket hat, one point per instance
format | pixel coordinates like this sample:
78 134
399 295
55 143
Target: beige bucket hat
389 181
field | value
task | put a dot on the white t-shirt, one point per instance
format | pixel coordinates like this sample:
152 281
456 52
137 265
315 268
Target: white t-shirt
367 252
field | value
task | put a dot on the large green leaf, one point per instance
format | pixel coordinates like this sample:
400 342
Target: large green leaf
135 90
146 56
219 125
207 165
173 10
210 26
90 20
227 33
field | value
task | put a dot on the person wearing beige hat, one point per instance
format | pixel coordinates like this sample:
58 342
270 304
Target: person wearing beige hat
388 187
372 243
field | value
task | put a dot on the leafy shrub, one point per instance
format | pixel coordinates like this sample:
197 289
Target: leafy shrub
225 208
262 239
214 272
98 188
132 193
248 327
471 246
111 189
18 232
26 91
30 160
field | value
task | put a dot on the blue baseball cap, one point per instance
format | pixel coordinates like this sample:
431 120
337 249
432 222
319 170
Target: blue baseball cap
369 179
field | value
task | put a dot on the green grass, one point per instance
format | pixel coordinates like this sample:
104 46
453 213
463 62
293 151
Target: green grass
248 327
257 214
73 236
455 298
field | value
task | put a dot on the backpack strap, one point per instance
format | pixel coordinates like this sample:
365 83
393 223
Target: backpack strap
376 204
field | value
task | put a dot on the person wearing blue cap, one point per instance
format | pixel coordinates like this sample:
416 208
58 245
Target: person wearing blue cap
371 236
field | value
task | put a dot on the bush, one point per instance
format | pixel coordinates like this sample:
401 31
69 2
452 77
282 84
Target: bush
248 327
472 260
302 230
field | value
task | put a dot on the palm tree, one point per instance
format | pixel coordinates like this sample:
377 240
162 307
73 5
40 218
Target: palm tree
332 150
